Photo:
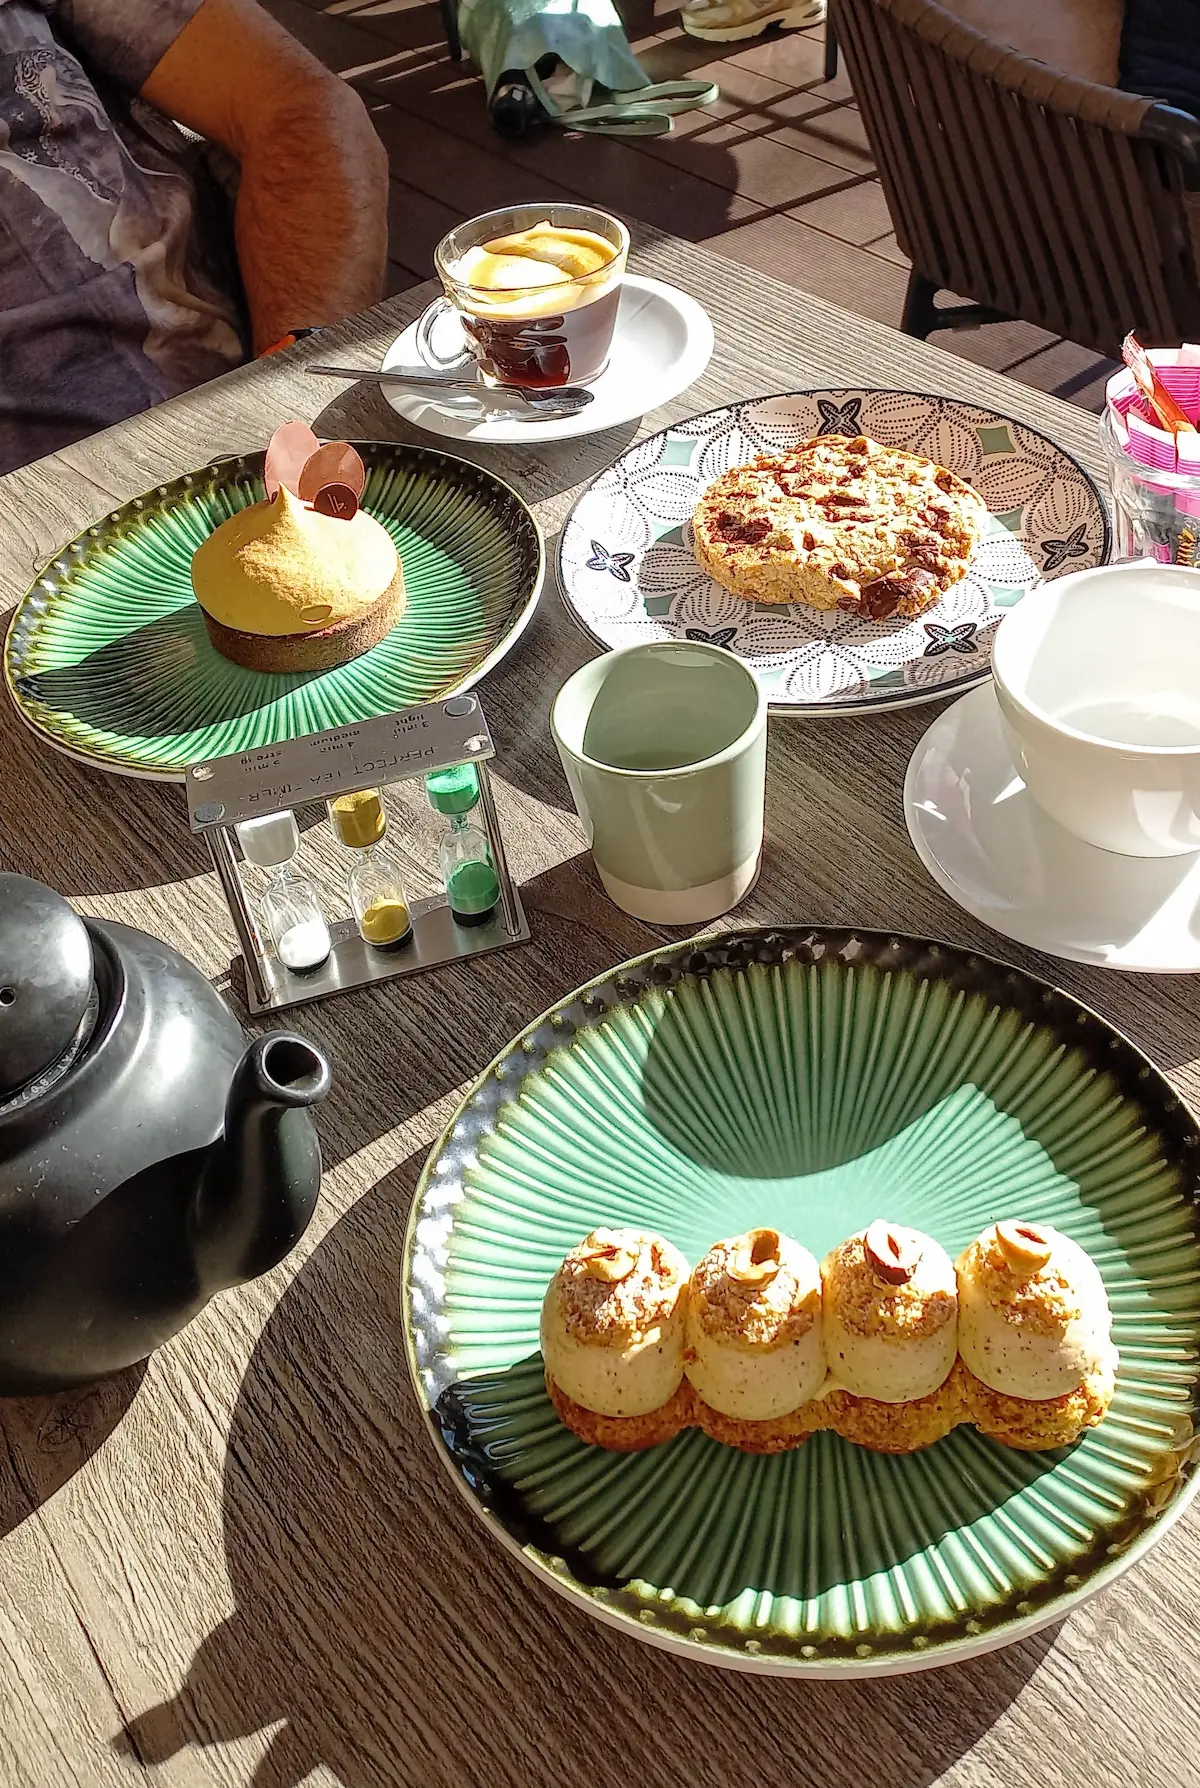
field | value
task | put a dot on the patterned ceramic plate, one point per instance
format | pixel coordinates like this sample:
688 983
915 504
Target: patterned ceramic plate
108 659
812 1080
628 573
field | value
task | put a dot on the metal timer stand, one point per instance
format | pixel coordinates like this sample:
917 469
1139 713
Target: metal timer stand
371 754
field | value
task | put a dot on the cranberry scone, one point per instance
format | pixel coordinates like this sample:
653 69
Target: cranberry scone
840 523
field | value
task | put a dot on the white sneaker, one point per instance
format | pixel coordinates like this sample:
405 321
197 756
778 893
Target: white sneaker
730 21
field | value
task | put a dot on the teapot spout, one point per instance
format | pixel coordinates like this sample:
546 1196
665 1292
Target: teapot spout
260 1184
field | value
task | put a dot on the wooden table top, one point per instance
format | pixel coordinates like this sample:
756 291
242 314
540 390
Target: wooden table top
242 1564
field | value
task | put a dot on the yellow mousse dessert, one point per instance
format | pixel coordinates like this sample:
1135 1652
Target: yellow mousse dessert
891 1339
754 1348
284 586
1039 1365
612 1339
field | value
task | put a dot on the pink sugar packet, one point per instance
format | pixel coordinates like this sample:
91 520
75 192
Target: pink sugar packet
1183 382
1149 445
1140 436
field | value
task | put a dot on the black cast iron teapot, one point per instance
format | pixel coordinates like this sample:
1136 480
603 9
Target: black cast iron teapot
148 1157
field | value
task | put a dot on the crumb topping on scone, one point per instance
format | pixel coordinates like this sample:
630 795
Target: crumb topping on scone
868 1305
618 1284
778 1309
840 523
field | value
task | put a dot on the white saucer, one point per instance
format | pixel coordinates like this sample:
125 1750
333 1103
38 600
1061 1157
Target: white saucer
985 840
663 342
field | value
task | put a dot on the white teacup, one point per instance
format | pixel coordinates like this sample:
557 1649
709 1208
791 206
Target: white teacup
1098 679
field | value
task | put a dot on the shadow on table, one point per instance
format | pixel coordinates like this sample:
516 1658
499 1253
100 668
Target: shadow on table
380 1631
47 1439
84 832
386 1066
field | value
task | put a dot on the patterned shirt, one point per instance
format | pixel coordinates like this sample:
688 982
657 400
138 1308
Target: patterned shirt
118 284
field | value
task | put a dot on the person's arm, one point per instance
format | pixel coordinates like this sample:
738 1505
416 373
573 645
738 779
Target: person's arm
311 219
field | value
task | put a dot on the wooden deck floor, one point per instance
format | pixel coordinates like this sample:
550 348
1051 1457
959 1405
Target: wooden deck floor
776 174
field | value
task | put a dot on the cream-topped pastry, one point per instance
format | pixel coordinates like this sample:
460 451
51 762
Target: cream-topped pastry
890 1312
1034 1320
753 1327
612 1328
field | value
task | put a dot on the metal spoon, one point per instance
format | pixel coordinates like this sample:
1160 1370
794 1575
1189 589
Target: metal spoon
564 400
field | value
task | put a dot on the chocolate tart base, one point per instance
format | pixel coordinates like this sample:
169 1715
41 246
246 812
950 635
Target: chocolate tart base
321 650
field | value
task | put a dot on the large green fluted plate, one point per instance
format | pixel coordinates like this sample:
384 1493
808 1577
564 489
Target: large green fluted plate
108 660
812 1080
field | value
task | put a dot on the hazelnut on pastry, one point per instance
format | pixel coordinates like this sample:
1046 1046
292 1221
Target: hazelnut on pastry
1034 1335
891 1339
612 1323
753 1325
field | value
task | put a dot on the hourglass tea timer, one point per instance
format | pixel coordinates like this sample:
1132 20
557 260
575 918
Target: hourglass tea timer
344 770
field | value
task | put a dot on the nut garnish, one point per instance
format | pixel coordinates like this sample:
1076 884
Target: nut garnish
1025 1247
664 1268
755 1258
891 1256
608 1257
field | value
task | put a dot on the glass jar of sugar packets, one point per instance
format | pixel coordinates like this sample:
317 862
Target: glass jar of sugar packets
1156 512
374 882
1151 439
289 906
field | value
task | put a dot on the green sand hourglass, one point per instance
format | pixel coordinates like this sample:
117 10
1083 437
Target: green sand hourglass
464 857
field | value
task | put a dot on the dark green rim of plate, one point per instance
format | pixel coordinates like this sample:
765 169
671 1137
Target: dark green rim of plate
107 657
896 1580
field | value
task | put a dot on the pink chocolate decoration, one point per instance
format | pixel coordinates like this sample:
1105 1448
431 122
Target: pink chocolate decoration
335 499
334 463
288 452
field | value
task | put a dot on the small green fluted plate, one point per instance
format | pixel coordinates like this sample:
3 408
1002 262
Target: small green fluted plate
811 1080
107 657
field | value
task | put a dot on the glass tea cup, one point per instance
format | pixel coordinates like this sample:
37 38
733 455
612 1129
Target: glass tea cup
542 335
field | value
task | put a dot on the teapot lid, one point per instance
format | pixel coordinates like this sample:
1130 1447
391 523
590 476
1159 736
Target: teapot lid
46 974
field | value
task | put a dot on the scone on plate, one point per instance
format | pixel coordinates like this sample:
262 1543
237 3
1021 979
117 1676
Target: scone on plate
1039 1364
839 523
754 1356
891 1339
612 1334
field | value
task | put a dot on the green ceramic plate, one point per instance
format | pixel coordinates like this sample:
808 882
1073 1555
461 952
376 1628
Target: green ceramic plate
812 1080
107 657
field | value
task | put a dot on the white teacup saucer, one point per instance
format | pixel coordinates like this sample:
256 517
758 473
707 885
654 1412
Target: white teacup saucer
663 341
985 840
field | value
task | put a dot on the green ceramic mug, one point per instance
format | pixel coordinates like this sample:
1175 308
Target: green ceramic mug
665 751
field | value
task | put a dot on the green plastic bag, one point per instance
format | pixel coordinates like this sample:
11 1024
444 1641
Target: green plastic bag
609 92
